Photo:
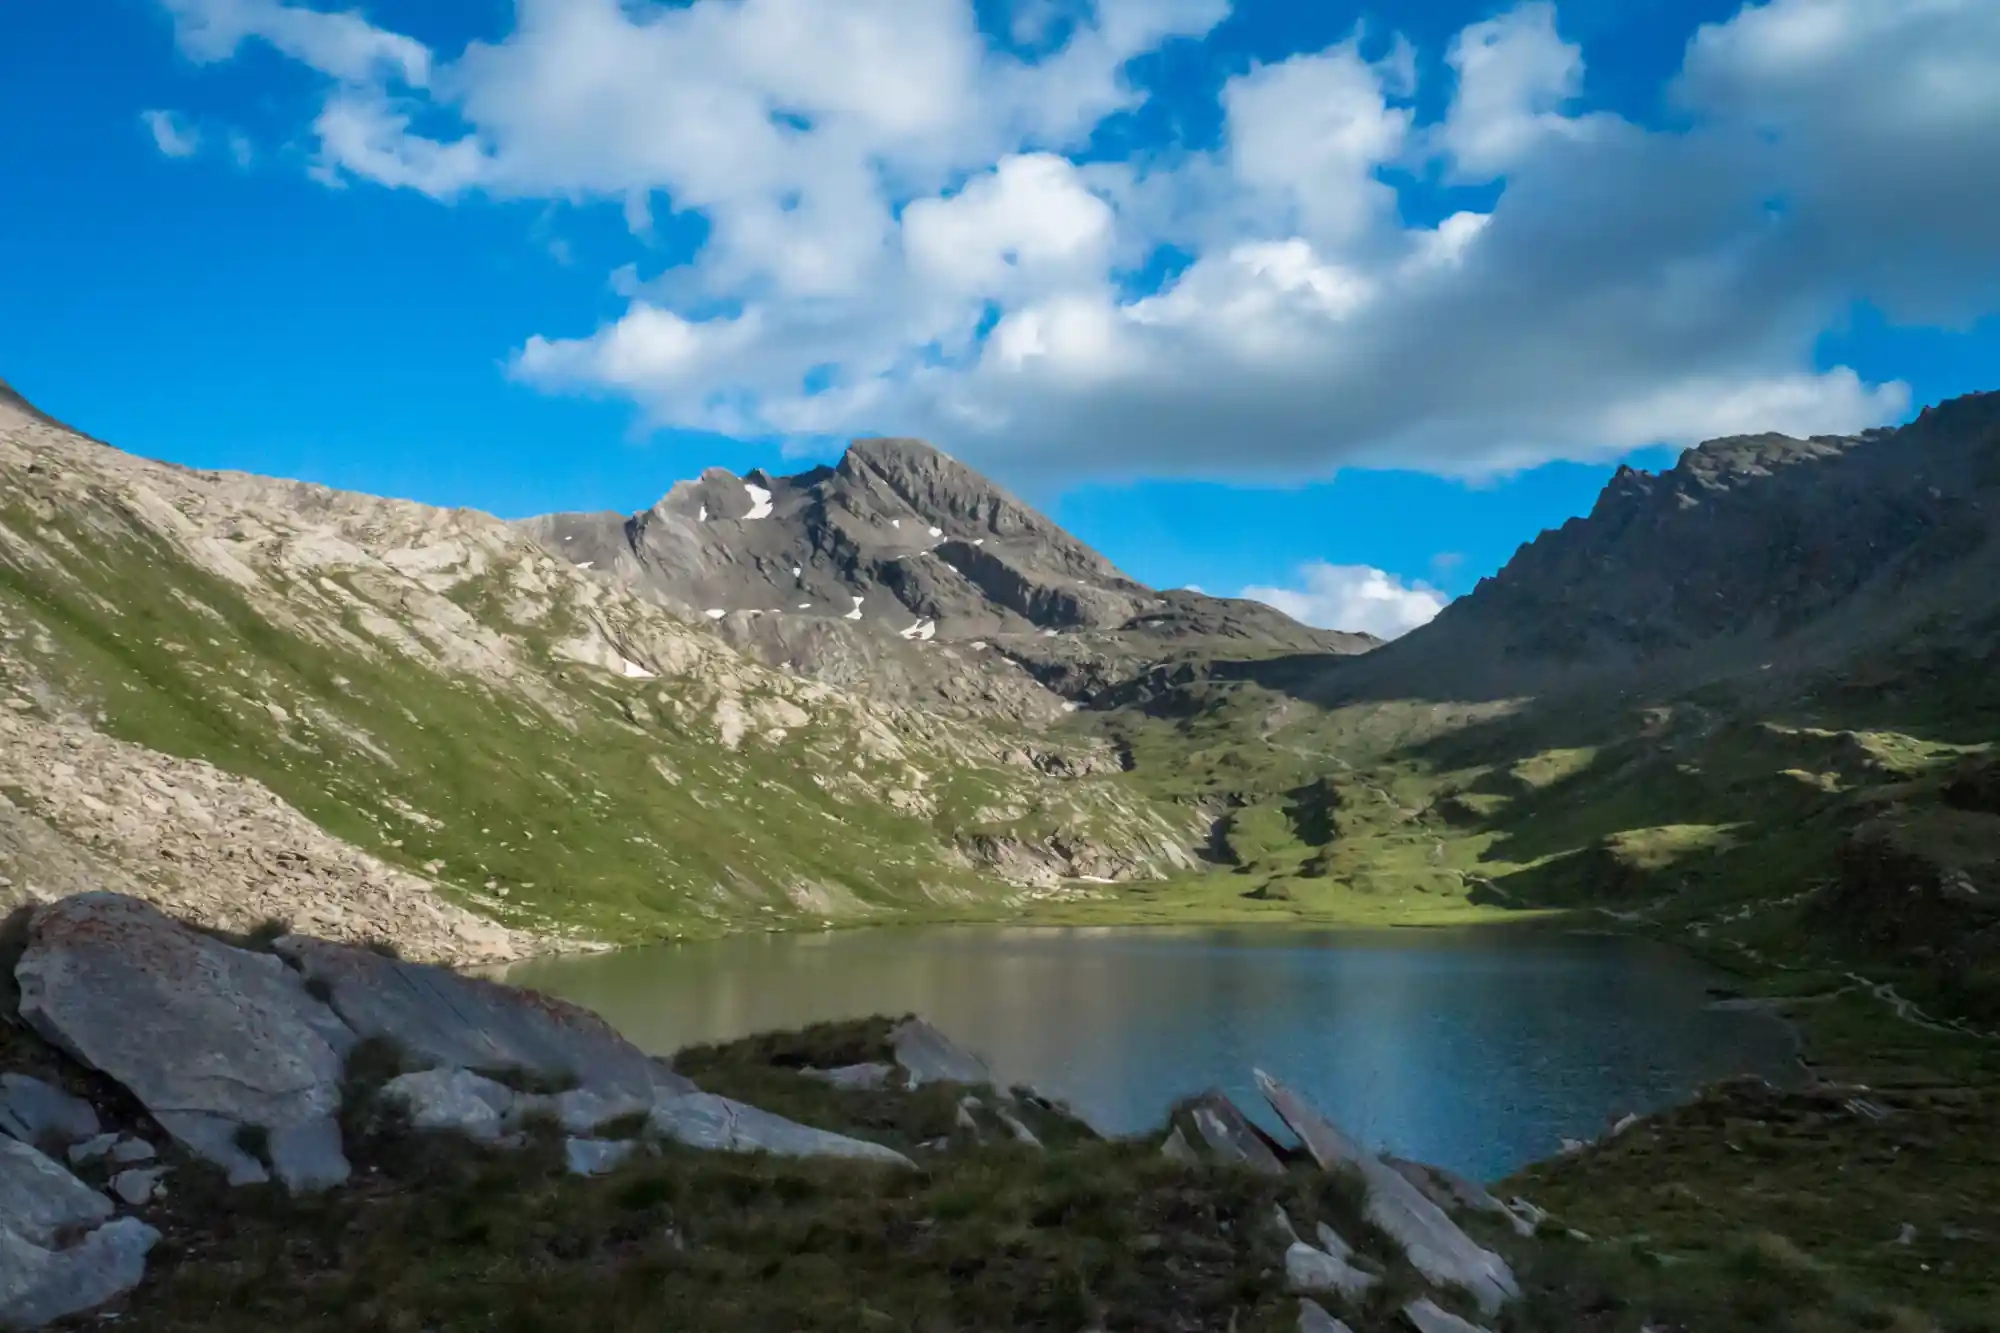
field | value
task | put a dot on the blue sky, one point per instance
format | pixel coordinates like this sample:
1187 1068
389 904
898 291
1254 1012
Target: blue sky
1233 290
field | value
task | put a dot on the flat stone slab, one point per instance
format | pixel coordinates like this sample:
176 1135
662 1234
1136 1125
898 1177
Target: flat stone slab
1314 1319
38 1113
931 1057
208 1037
704 1120
91 1149
1426 1316
1312 1270
39 1198
1449 1190
864 1078
442 1018
39 1286
1437 1246
1178 1149
1230 1135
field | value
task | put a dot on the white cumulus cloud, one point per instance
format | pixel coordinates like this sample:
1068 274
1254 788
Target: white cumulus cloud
903 236
1356 598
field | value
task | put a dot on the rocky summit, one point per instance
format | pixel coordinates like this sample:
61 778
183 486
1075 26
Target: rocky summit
857 573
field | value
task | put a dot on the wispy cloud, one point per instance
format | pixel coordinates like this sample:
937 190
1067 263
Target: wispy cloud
172 134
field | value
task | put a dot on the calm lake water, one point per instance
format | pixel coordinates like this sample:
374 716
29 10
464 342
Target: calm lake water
1476 1049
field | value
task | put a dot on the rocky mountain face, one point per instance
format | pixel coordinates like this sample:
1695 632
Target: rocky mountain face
1749 550
904 570
244 698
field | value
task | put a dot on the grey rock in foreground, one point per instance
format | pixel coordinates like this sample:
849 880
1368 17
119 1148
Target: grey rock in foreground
581 1111
39 1286
91 1149
39 1198
452 1099
1427 1317
593 1157
1178 1149
137 1185
1437 1247
1449 1190
703 1120
1230 1135
442 1018
34 1112
931 1057
1311 1270
1313 1319
230 1038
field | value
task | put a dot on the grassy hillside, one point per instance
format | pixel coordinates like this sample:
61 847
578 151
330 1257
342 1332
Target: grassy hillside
562 796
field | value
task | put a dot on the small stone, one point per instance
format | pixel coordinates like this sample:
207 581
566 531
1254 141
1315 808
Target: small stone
136 1186
133 1150
1178 1149
91 1149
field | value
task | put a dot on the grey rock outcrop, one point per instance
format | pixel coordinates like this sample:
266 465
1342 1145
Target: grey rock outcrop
34 1112
442 1018
231 1039
452 1099
1314 1270
928 1056
594 1157
39 1285
1436 1246
1230 1135
1449 1191
1176 1148
703 1120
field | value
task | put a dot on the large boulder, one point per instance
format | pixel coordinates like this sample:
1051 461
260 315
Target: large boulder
1437 1247
34 1112
703 1120
212 1040
442 1018
39 1285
